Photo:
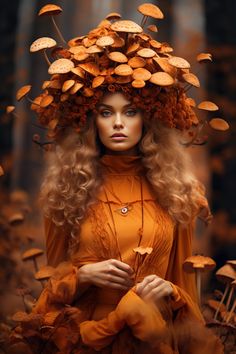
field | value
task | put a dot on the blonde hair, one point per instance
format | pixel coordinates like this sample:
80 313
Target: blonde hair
169 171
73 178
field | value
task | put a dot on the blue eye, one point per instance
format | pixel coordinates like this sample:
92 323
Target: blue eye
131 112
105 113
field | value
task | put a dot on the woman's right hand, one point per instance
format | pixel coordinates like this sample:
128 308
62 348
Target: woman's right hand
107 274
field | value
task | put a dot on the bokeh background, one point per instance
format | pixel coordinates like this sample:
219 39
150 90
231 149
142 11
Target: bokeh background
191 27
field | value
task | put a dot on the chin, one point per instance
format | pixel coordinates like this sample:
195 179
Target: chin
123 150
120 147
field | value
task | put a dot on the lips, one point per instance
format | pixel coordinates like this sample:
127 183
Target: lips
119 135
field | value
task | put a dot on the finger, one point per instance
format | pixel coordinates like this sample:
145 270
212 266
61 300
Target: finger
156 283
123 266
119 286
119 280
120 273
103 282
158 293
145 282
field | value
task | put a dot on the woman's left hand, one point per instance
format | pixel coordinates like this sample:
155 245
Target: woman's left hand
153 288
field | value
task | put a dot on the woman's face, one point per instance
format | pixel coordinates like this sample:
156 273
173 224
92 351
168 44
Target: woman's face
119 125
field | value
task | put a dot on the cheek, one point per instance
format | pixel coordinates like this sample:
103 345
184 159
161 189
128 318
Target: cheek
102 127
136 130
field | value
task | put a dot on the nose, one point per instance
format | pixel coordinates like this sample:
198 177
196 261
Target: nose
118 123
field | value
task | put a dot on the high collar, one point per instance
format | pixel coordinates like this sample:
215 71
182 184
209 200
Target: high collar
121 165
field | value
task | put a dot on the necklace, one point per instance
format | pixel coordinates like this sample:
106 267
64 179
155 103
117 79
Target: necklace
124 212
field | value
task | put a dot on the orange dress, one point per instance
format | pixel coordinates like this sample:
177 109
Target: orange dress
111 321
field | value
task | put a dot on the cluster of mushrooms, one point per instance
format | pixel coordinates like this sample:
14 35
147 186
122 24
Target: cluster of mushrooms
224 309
116 54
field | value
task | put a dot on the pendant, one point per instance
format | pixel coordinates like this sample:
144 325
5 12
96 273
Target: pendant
124 210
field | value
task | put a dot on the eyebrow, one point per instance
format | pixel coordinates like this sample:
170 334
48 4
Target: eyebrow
111 107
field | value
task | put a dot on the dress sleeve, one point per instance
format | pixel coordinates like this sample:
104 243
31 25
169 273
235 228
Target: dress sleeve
184 286
56 243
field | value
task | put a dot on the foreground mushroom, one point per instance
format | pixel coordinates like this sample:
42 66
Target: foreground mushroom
52 10
150 10
44 273
23 91
233 285
232 262
32 254
198 264
226 275
41 44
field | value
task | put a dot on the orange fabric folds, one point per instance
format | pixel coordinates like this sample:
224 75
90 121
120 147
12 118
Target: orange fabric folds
61 289
106 320
144 320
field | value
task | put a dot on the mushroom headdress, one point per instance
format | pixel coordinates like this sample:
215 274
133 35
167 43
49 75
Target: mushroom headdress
118 55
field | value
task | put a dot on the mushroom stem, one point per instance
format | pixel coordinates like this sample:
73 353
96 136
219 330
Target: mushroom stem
229 298
42 284
222 300
23 300
35 265
144 20
31 101
198 281
58 31
187 87
231 312
46 57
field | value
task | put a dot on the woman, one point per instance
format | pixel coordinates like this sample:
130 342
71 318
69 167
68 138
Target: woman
119 198
137 201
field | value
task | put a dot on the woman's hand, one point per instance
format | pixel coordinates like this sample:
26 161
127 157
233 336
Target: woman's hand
153 288
110 274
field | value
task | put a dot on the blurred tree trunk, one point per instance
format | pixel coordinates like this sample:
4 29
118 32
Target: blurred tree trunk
30 69
189 40
221 38
8 26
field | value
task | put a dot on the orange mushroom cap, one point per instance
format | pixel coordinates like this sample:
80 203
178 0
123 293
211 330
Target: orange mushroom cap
22 92
198 262
32 253
44 273
214 304
232 262
150 10
219 124
50 9
16 219
226 274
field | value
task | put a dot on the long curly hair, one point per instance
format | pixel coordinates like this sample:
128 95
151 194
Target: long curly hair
73 177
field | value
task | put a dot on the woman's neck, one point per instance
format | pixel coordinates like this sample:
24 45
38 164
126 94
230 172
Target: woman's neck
130 152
